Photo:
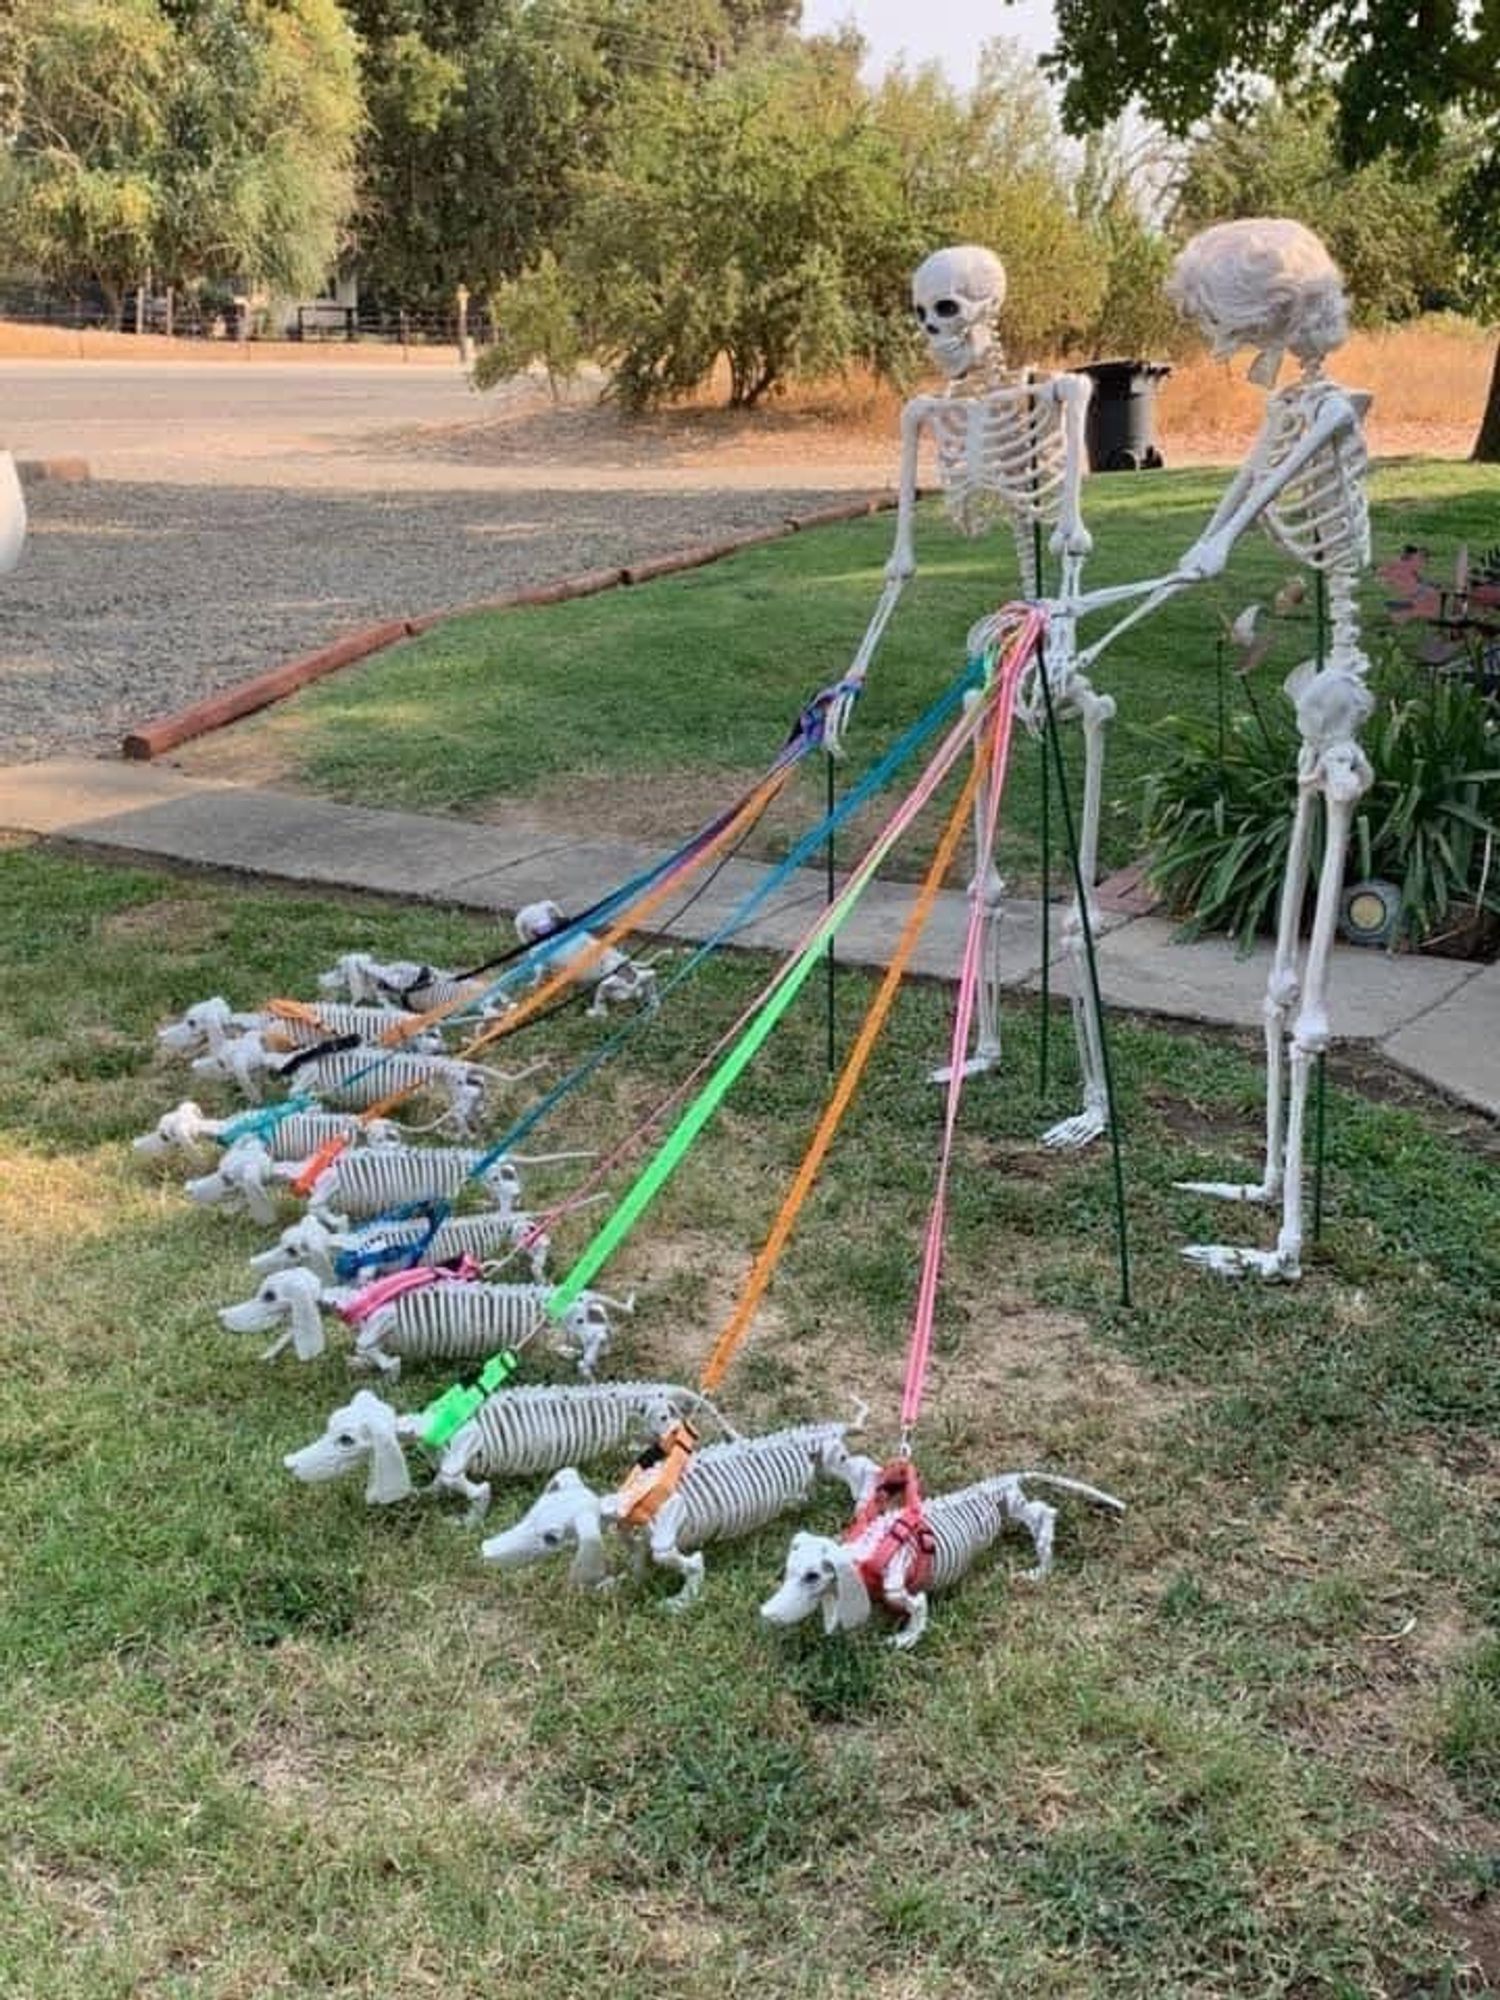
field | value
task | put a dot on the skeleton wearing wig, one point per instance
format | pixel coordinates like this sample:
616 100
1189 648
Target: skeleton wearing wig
1269 284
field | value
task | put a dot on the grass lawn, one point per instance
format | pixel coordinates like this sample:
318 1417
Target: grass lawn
632 713
259 1740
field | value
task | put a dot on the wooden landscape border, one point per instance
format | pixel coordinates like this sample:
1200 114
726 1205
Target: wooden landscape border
154 739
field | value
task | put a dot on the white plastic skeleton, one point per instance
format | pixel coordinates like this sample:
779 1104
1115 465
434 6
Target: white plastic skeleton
187 1126
444 1321
533 1428
1010 449
725 1491
362 1181
836 1576
357 1078
317 1240
1270 284
613 979
210 1024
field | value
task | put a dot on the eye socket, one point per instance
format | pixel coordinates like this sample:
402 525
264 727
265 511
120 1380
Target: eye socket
812 1576
268 1295
947 308
346 1440
552 1539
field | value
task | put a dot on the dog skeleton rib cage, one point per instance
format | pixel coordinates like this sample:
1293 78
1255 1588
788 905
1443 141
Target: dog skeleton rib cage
1010 449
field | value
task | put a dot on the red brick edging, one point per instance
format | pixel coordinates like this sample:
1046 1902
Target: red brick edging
154 739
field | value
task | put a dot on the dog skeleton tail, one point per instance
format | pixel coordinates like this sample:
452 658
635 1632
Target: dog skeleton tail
1092 1494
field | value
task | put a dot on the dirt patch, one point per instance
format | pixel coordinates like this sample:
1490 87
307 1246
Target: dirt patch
254 755
1195 1123
180 921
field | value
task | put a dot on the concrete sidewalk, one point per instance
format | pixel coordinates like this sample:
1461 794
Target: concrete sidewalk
1437 1018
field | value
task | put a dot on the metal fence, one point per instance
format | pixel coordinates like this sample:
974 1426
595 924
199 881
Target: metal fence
187 316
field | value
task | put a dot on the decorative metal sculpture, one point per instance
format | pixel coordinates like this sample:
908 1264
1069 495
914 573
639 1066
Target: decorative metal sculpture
517 1431
893 1558
725 1490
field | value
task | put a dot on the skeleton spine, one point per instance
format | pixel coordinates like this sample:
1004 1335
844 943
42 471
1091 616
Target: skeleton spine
376 1178
728 1489
362 1077
538 1428
456 1322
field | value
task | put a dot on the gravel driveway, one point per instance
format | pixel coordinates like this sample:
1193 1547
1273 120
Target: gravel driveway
237 517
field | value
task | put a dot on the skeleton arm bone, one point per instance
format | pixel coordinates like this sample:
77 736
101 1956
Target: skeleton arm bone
901 566
1210 552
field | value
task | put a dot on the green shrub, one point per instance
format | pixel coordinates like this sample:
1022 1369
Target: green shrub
1218 815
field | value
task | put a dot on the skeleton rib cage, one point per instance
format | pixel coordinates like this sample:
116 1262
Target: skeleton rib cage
334 1018
538 1427
455 1322
481 1236
365 1183
359 1078
1320 518
728 1489
963 1525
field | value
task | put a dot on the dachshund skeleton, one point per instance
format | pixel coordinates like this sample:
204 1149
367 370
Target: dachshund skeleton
294 1137
534 1428
315 1241
449 1320
726 1490
962 1525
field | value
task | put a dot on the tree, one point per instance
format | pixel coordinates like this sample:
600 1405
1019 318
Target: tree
1404 73
771 216
1386 226
186 139
483 113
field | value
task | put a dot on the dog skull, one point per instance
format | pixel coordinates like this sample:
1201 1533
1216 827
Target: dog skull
957 294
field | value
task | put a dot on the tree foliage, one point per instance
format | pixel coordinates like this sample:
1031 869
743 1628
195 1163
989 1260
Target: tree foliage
206 137
770 216
1403 76
1387 227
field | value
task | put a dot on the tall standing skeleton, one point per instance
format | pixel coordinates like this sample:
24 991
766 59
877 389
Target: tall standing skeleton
1010 448
1271 285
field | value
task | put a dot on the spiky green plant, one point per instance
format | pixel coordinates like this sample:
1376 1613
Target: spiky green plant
1218 815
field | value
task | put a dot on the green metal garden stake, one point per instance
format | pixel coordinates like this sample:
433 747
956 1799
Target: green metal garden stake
1070 835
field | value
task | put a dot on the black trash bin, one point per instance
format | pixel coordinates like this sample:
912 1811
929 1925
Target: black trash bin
1122 415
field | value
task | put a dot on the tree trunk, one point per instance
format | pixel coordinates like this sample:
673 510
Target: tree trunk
1487 444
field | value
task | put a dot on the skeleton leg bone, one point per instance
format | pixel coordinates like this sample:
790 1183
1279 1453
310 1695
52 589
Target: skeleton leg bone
987 888
1342 775
1282 991
1095 710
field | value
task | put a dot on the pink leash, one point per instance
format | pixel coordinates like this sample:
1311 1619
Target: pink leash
1017 655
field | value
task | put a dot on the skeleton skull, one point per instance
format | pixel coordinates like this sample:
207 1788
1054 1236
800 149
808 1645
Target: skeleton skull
957 295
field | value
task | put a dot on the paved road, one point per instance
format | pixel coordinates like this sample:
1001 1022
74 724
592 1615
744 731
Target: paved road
244 512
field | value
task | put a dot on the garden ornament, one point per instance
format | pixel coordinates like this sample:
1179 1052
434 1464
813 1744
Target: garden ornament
614 979
451 1317
402 985
319 1241
246 1180
1010 449
725 1490
893 1558
364 1183
187 1126
531 1429
285 1026
12 514
356 1078
1269 284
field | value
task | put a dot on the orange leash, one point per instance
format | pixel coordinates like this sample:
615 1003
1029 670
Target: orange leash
854 1068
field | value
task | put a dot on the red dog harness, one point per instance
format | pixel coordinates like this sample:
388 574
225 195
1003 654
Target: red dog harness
897 1497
